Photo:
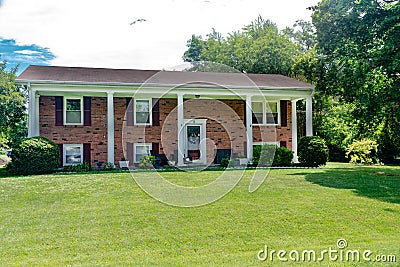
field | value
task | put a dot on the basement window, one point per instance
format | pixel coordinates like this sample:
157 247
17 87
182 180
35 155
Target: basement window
72 154
141 150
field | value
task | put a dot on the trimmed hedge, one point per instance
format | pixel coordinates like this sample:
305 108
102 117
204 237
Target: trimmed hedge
283 157
312 151
83 167
271 155
35 155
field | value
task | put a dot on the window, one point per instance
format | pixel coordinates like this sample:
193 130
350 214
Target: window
73 111
142 112
73 154
265 113
141 150
272 113
258 112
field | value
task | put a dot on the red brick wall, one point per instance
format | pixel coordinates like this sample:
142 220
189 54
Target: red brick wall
225 127
95 135
275 133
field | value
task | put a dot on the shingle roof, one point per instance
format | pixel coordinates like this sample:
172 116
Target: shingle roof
132 76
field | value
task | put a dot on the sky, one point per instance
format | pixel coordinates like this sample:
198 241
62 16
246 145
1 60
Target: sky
100 33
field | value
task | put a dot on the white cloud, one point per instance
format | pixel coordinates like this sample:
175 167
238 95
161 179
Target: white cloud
27 52
98 33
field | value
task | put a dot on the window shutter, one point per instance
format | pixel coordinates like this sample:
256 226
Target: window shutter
60 147
59 102
129 153
282 144
284 105
129 111
156 112
87 110
155 149
86 153
245 148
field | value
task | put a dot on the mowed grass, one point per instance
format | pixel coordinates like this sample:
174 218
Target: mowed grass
107 220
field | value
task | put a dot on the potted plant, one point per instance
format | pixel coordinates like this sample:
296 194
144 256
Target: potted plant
99 164
243 161
124 163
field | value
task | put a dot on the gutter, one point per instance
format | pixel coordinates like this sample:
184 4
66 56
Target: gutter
149 85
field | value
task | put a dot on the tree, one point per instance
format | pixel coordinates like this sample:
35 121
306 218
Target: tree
258 48
358 45
302 33
12 106
195 46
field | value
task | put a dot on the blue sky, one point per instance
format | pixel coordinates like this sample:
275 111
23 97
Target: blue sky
23 55
99 33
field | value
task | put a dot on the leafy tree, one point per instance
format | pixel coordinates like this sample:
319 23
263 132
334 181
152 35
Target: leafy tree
360 64
12 106
337 126
258 48
195 46
302 33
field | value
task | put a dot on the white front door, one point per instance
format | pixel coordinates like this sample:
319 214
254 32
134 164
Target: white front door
195 140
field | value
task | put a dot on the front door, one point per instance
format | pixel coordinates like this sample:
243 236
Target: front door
195 141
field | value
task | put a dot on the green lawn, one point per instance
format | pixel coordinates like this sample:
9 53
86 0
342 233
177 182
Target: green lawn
107 220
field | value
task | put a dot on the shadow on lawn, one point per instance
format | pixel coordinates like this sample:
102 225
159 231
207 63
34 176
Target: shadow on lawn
374 182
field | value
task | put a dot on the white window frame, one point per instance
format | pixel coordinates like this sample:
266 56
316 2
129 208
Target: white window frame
65 109
65 146
267 143
264 104
150 112
135 148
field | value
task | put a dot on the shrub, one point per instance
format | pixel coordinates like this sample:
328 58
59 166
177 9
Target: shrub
283 157
147 162
224 162
35 155
312 151
108 167
83 167
363 152
256 154
270 155
267 153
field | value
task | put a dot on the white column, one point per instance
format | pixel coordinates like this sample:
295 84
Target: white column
294 131
31 112
309 126
110 127
180 131
37 123
249 128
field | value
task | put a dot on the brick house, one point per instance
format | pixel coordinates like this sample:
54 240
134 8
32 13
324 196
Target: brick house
103 115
